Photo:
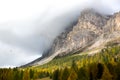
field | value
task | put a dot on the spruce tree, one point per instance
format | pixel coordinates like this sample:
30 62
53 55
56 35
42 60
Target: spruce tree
65 74
56 74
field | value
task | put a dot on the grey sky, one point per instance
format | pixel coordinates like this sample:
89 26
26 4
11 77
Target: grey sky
28 27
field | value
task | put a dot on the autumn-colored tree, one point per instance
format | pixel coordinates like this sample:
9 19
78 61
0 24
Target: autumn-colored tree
73 75
26 75
112 69
106 74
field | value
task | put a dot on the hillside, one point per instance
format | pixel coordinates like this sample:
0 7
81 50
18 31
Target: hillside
73 67
91 33
82 59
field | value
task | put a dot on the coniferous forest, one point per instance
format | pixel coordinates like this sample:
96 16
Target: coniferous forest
104 65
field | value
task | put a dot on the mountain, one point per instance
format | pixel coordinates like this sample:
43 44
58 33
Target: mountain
92 32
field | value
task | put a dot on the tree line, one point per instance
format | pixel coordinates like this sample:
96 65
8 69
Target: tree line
104 65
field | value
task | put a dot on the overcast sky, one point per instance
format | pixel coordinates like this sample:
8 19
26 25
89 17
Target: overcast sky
28 27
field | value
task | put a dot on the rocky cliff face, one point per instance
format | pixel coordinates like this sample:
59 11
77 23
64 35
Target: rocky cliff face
89 27
92 32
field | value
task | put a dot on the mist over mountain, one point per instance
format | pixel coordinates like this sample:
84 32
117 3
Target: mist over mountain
26 31
92 33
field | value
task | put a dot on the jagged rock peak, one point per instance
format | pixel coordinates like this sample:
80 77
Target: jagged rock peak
117 13
113 24
88 12
92 16
117 18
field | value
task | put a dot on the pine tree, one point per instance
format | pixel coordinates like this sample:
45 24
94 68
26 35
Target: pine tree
31 74
56 75
100 70
83 74
74 66
65 74
93 71
117 71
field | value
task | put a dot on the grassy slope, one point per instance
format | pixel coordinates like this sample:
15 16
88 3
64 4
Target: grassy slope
105 55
